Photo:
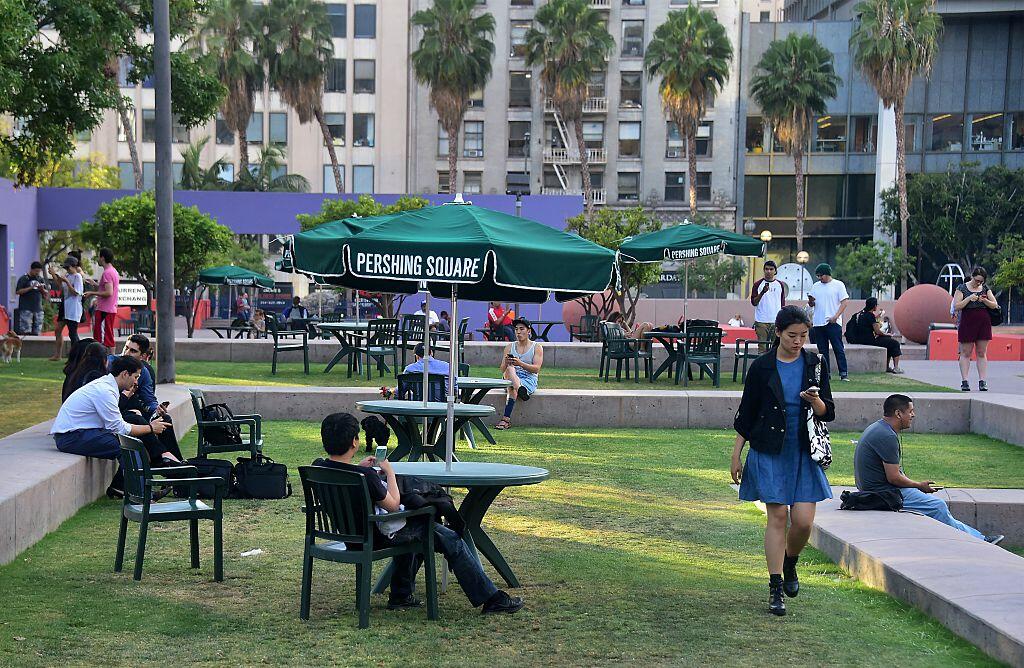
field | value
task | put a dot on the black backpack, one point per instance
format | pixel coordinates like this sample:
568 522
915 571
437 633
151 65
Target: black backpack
890 500
261 478
227 434
208 468
417 493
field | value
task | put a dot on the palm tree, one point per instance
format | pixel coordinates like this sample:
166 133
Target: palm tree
571 42
892 42
691 53
230 35
299 49
793 82
454 60
267 175
194 176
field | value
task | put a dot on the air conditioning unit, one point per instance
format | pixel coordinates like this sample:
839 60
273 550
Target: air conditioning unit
673 153
474 153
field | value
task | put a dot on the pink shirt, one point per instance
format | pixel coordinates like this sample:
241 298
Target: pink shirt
112 278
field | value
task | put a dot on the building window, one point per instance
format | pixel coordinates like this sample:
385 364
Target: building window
629 186
362 178
595 87
334 79
519 89
518 138
149 125
363 77
124 69
476 99
946 132
987 132
755 196
329 185
148 175
593 134
336 14
224 135
550 180
634 3
632 38
127 175
336 126
473 139
443 181
912 125
472 182
179 133
227 172
597 180
121 136
366 21
765 17
830 134
1017 131
522 3
279 129
554 138
629 140
860 195
704 187
362 132
675 187
675 148
254 133
442 141
630 90
517 183
865 134
705 135
517 37
755 134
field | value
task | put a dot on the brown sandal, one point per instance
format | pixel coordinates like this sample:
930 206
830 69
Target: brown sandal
503 424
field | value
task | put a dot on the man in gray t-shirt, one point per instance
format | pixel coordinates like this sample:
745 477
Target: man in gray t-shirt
31 290
877 467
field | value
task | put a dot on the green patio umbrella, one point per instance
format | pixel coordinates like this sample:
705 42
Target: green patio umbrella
686 242
455 249
232 275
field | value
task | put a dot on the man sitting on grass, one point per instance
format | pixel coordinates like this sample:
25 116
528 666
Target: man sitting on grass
340 435
877 467
89 421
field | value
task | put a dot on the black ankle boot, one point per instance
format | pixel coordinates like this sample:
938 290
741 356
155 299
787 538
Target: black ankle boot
776 604
790 581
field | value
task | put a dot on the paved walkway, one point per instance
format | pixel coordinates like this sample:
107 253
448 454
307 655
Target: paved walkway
1003 377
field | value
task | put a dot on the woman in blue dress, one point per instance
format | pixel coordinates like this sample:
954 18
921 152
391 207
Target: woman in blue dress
781 388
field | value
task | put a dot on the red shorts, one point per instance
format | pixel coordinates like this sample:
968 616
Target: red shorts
103 327
975 325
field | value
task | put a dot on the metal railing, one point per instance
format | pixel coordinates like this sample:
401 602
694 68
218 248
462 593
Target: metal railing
564 156
592 105
597 195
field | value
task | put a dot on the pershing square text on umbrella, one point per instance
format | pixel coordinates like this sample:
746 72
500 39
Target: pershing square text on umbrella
690 253
412 266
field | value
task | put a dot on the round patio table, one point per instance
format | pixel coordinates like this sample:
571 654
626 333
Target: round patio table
404 418
472 390
344 332
544 333
484 482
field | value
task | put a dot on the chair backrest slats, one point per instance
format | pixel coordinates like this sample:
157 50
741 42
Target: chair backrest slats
704 340
135 465
410 387
383 332
339 502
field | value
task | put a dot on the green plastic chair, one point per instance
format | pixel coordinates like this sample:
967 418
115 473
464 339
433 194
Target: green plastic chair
615 346
743 352
411 333
703 347
586 330
252 439
287 341
341 516
381 344
139 483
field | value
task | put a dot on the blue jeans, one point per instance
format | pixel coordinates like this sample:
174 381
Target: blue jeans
832 334
88 443
935 508
468 571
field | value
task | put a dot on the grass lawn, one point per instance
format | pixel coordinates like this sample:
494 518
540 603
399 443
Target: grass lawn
636 551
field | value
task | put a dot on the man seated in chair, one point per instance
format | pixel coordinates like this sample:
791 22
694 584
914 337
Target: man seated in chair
298 312
434 366
89 421
340 435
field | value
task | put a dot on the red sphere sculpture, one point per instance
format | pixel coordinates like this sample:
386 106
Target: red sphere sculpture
919 307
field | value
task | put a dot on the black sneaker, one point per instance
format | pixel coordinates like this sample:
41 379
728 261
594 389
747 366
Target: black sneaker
776 604
522 394
114 493
995 539
502 602
790 581
982 386
409 601
965 386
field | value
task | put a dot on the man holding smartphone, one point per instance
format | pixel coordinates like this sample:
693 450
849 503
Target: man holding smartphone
767 296
877 467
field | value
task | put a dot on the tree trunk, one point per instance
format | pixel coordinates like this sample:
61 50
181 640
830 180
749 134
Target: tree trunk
691 166
190 309
901 181
329 140
129 134
588 198
798 173
243 152
453 156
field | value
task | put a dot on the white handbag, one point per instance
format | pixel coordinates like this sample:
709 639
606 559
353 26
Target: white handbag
817 430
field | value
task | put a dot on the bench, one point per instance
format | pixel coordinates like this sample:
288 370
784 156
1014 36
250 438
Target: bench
50 486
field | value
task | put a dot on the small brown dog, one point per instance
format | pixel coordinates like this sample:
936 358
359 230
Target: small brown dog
11 347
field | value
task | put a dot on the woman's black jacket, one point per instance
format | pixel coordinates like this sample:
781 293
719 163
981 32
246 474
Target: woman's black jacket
761 418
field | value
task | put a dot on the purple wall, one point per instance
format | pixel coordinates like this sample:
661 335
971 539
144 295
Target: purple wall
19 236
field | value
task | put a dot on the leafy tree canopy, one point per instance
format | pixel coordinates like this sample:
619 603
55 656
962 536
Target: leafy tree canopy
871 267
714 274
364 207
246 255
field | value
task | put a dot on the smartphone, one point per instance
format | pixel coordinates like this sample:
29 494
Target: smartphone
938 488
813 389
381 453
164 404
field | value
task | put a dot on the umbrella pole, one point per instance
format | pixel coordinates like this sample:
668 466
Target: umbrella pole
453 360
686 292
426 365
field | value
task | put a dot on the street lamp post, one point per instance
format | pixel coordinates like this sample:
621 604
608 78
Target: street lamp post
802 258
749 227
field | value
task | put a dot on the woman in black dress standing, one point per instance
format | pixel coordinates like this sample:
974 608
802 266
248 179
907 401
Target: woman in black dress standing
974 332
